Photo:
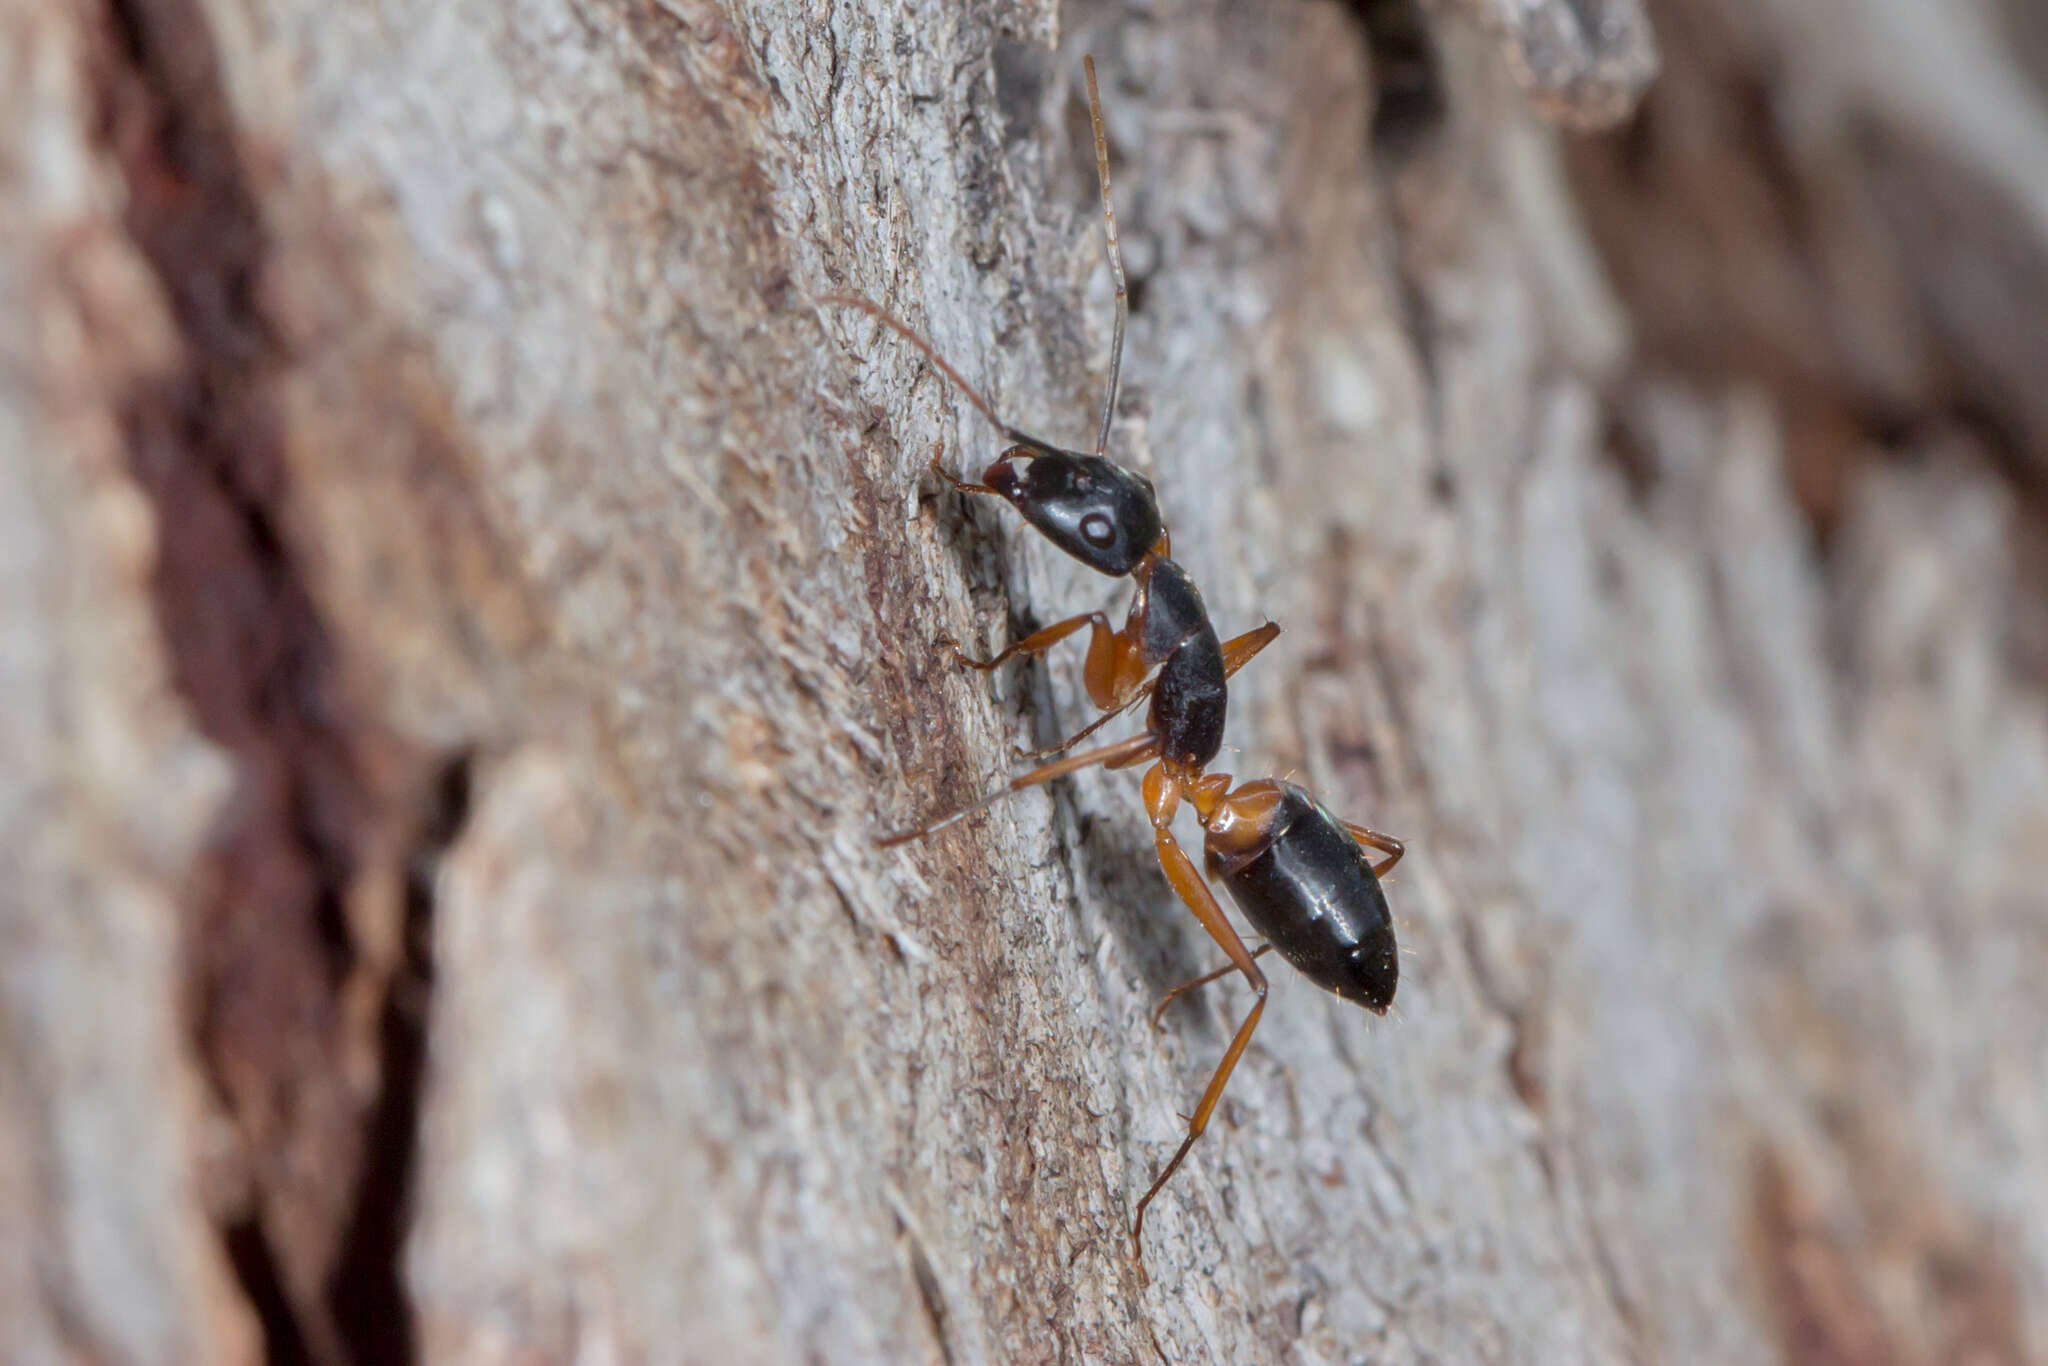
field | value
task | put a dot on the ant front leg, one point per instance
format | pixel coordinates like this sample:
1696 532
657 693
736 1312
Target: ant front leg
1105 640
1115 670
959 485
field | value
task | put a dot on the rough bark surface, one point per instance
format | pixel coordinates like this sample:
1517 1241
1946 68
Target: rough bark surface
467 612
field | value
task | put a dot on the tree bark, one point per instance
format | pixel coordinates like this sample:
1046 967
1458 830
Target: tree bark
469 611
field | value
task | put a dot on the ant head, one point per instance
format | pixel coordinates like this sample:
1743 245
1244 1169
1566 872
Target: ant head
1094 509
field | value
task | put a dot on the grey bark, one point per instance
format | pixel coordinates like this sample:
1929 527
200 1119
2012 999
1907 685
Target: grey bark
468 613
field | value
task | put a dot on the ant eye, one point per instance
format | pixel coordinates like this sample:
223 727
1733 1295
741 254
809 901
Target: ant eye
1096 529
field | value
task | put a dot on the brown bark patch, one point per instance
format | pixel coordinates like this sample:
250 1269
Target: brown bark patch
311 1038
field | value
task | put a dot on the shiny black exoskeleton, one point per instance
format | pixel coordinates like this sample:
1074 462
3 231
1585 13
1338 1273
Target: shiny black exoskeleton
1310 889
1102 514
1189 696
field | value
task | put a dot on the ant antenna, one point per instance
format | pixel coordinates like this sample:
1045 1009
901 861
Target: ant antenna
1116 256
903 330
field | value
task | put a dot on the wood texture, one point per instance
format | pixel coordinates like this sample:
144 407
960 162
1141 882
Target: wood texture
467 613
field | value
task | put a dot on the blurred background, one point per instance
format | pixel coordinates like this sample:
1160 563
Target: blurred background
467 613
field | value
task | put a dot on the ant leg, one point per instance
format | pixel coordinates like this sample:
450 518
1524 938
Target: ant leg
1122 754
1038 642
1082 734
1162 795
959 485
1237 652
1386 844
1116 257
1159 1011
1111 674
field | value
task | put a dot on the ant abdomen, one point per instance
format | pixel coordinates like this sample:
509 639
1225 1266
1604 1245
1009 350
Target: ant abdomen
1309 887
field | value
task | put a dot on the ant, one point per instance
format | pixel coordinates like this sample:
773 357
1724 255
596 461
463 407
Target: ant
1298 873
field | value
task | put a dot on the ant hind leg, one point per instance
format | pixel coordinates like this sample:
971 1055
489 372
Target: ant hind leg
1159 1011
1194 893
1386 844
959 485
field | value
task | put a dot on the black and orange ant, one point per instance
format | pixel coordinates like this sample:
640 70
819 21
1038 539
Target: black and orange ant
1298 873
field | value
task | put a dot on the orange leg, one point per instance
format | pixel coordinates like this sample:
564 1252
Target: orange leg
1386 844
1038 642
1159 1011
1123 754
1237 652
959 485
1162 797
1082 734
1113 670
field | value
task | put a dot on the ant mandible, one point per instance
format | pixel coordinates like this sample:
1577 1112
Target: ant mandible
1298 873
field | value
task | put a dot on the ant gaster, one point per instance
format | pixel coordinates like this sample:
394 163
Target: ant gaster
1300 875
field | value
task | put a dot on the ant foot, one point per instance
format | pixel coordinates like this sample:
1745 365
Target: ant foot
947 644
